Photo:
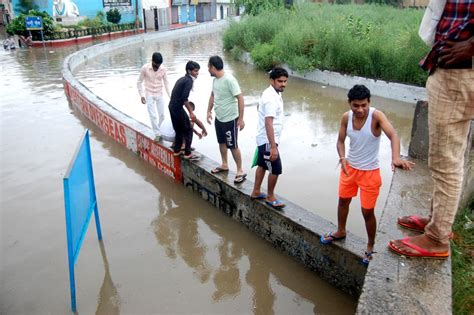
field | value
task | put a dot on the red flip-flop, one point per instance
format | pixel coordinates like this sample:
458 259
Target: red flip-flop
414 223
422 253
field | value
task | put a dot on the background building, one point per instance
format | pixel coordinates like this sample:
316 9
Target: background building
72 11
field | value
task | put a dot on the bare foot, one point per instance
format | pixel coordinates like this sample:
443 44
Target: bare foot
419 246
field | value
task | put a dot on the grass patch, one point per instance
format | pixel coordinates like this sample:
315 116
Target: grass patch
374 41
462 248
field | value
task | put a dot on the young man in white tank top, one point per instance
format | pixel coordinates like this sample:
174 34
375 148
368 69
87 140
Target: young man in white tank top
360 169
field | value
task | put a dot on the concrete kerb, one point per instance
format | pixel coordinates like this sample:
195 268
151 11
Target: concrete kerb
295 230
395 91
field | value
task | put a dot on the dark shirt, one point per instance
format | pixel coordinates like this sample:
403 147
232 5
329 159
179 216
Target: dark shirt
181 90
456 24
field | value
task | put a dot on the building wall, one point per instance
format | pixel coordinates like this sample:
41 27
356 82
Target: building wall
89 8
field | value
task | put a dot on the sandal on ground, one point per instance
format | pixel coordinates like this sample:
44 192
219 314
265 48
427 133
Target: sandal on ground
328 238
367 257
192 157
219 170
276 204
420 252
258 197
177 153
412 222
240 178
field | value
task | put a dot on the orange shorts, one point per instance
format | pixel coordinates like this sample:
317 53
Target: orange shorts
369 183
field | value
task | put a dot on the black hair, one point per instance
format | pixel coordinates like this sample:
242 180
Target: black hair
157 58
358 92
278 72
217 62
192 65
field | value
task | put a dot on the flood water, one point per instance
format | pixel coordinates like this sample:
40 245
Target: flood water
165 250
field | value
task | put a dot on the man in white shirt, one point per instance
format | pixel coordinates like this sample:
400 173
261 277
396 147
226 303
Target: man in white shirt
152 78
270 124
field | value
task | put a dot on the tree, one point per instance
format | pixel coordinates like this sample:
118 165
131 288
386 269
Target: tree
24 6
114 16
18 27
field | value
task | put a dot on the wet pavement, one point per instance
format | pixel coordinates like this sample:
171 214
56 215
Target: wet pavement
165 250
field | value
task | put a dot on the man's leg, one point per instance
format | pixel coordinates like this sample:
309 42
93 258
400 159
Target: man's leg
160 107
342 213
259 175
238 160
370 226
223 151
272 180
177 119
451 101
151 108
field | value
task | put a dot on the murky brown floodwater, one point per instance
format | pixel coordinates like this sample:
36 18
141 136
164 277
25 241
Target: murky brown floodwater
165 250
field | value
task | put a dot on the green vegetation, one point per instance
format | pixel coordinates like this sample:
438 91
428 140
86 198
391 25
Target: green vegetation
51 30
373 41
17 25
255 7
114 16
462 249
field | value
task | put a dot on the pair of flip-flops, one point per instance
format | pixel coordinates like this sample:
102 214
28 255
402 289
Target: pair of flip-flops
328 238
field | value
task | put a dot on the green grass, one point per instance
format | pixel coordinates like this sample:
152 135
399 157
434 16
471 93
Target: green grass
373 41
462 248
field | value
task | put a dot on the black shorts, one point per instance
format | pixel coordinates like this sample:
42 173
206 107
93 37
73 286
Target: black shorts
227 133
263 160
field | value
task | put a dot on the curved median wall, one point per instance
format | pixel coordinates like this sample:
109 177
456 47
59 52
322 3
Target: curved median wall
295 230
392 285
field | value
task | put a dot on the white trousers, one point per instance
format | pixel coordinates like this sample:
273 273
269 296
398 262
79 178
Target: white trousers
155 106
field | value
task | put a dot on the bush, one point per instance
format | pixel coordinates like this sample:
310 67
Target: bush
18 27
264 56
96 22
114 16
379 42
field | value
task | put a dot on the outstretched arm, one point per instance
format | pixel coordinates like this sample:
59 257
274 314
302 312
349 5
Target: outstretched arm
240 103
341 138
141 77
200 125
166 84
210 106
388 129
271 138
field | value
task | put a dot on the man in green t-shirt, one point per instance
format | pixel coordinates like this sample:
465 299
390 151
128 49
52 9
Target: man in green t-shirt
228 103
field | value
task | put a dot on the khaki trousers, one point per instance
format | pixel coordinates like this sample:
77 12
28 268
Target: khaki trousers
450 111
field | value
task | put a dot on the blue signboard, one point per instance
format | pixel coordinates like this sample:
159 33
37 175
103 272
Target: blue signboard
34 23
80 202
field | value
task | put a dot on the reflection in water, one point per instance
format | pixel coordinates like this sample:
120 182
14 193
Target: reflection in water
109 299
